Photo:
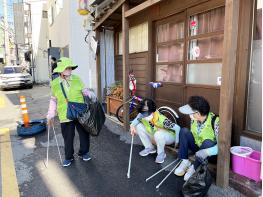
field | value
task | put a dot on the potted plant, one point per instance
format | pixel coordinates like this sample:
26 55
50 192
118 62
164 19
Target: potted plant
114 97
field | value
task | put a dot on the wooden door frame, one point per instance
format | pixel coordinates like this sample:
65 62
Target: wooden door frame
242 73
227 91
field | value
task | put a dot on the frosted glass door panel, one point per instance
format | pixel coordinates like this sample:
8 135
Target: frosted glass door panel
207 22
169 73
170 32
205 74
207 48
254 100
170 53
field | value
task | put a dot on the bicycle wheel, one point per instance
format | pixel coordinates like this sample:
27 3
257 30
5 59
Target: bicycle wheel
169 113
132 112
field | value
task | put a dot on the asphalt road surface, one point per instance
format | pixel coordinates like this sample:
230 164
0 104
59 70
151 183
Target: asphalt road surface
103 176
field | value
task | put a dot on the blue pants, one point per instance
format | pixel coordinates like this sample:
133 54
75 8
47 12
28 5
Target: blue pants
186 140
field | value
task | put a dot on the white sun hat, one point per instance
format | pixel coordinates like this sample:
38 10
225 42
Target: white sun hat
186 109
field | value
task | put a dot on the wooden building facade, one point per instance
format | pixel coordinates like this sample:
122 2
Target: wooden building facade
211 48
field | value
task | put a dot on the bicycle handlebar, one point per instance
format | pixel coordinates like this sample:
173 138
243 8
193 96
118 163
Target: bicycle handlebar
155 84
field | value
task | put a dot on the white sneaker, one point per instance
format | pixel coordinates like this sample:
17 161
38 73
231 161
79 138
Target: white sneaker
160 158
184 165
147 151
189 173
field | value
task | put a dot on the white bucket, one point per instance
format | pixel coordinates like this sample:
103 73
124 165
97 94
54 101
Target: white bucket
241 151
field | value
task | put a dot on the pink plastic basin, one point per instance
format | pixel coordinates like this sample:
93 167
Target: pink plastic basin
249 166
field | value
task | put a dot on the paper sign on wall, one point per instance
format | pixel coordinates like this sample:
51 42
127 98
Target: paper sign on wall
196 51
219 79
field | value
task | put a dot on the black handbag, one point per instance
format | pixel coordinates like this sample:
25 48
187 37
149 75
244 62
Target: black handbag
74 109
199 183
93 118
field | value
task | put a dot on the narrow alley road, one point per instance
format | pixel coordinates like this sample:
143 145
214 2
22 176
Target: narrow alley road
103 176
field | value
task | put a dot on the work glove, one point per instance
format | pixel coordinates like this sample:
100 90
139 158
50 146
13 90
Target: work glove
202 154
92 96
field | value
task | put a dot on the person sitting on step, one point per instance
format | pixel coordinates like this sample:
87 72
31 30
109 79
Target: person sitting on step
151 125
200 139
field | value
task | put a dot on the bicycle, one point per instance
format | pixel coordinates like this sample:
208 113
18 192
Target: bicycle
134 101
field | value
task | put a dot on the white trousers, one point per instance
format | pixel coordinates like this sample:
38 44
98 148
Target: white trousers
161 137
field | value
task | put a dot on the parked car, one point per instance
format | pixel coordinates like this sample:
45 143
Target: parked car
14 77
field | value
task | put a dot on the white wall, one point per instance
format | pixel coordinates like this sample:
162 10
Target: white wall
59 31
79 50
39 43
67 29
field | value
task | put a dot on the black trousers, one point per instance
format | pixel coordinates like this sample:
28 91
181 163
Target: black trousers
68 133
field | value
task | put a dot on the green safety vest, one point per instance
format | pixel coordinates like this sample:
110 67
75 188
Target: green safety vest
157 122
74 94
207 133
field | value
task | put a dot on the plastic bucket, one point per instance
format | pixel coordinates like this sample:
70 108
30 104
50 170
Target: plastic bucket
246 162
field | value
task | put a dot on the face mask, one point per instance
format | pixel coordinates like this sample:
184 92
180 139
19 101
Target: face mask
67 72
145 108
192 117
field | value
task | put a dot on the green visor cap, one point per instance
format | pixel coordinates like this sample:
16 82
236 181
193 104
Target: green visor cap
63 63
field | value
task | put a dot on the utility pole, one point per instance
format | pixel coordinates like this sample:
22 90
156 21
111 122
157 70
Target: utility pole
6 33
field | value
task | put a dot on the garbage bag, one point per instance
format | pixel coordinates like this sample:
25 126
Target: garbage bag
93 118
199 183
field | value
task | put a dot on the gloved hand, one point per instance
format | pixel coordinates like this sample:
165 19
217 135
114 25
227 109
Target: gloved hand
92 96
51 111
202 154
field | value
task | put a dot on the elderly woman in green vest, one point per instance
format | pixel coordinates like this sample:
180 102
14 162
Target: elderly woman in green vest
74 89
151 125
200 139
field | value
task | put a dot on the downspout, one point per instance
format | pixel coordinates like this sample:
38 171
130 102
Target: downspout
105 64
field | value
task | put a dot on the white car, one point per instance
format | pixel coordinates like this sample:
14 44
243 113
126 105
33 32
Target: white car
14 77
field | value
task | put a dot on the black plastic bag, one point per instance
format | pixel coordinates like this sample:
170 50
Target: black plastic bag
93 119
199 183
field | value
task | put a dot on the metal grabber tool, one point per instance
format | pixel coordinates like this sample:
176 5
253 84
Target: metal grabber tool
176 162
129 167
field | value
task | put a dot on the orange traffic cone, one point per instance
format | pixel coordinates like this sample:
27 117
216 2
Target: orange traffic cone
24 111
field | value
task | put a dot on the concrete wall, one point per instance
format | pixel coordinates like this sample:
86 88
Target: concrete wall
39 41
68 30
79 50
59 31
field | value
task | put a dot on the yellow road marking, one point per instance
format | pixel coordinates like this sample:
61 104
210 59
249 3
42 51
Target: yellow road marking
9 181
2 102
4 131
